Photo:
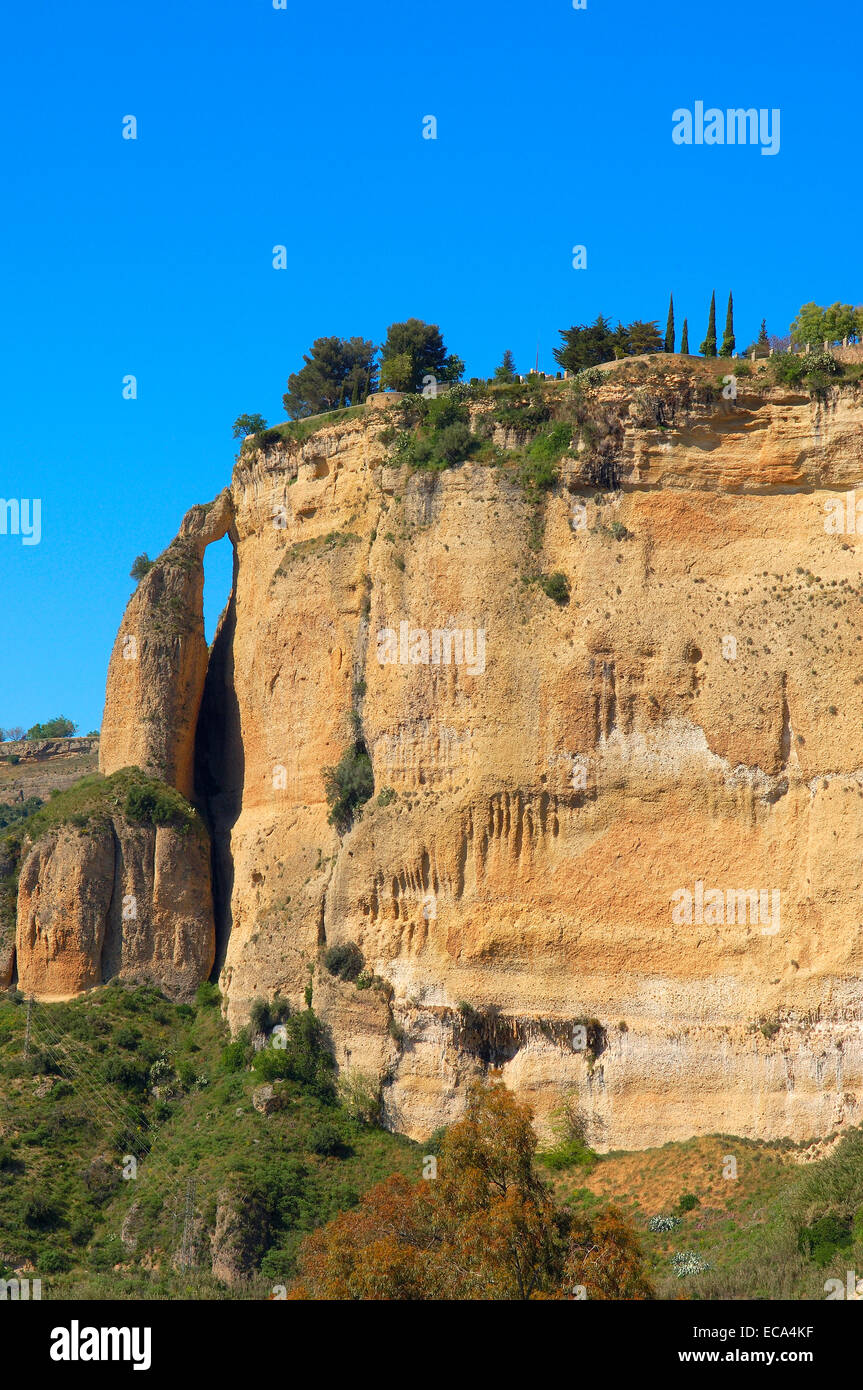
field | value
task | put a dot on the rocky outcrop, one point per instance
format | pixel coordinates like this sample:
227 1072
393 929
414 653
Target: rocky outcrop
159 662
240 1235
615 841
115 900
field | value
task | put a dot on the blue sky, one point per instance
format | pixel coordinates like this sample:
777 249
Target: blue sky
303 127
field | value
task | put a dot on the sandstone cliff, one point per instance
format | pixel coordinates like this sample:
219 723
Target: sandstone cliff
692 715
102 895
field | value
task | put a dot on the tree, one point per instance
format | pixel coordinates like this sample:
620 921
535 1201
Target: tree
486 1228
248 424
727 348
763 340
644 336
506 371
337 372
414 350
142 565
586 345
15 734
669 326
684 339
59 727
708 347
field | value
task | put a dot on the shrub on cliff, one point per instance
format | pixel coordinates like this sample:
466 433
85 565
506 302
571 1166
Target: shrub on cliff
153 803
345 960
348 785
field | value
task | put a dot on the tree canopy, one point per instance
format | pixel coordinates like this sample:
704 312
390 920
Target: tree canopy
248 424
817 325
414 350
485 1227
588 344
337 372
60 727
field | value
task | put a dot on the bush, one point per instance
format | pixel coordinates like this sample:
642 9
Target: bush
328 1140
688 1202
207 995
348 786
821 1240
555 586
345 960
152 803
305 1058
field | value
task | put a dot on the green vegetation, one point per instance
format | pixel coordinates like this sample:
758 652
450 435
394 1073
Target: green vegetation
708 347
141 565
248 424
123 1071
345 960
831 324
337 372
669 326
414 350
505 373
349 785
555 586
60 727
10 812
728 340
684 339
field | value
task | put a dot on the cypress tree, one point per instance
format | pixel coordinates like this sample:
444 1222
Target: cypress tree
669 327
728 336
763 340
684 339
708 347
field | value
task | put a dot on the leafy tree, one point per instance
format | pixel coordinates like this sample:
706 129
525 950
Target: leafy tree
708 347
487 1228
586 345
727 348
53 728
506 371
816 325
684 339
248 424
669 326
644 337
142 565
337 372
414 350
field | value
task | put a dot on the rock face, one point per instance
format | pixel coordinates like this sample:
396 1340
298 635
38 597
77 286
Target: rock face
117 900
159 662
549 888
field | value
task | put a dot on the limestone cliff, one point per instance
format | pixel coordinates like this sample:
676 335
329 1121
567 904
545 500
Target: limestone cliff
692 715
114 888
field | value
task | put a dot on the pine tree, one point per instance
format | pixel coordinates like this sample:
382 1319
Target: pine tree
506 372
684 339
669 327
708 347
763 340
727 348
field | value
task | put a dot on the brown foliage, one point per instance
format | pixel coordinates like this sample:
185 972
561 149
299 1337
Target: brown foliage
486 1228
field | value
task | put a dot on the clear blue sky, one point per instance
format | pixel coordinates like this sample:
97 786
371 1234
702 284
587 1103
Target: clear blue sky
303 127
